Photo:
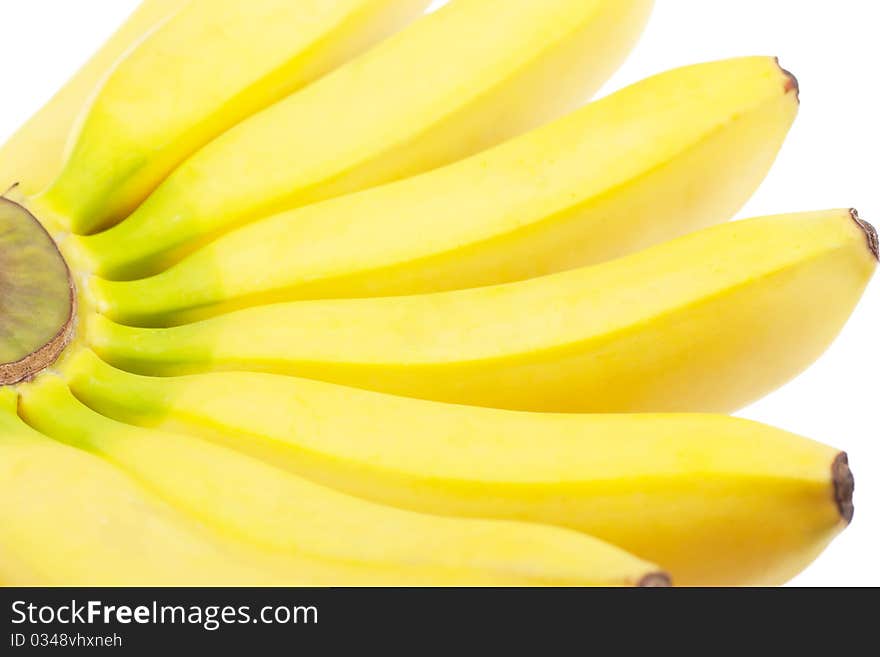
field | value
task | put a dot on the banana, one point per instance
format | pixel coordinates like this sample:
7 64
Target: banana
323 535
506 66
69 519
708 322
33 157
160 103
717 500
674 153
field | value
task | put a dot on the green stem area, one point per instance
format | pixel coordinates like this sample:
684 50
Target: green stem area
37 296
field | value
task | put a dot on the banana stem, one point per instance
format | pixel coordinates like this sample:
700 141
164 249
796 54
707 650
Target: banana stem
38 311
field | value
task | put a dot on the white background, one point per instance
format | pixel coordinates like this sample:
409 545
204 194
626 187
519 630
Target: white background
831 160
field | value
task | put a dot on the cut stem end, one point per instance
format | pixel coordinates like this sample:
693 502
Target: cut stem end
37 296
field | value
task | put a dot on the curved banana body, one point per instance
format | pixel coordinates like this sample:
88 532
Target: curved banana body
34 155
160 103
70 519
508 66
67 546
715 500
291 529
708 322
671 154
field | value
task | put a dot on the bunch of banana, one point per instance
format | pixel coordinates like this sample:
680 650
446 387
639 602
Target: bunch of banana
338 293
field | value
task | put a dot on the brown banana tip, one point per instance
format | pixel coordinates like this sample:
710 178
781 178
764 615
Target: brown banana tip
844 485
869 231
791 82
655 580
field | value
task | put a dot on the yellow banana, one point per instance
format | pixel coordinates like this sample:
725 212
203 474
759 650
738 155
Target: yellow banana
708 322
161 189
69 519
716 500
161 103
671 154
34 155
320 535
507 66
